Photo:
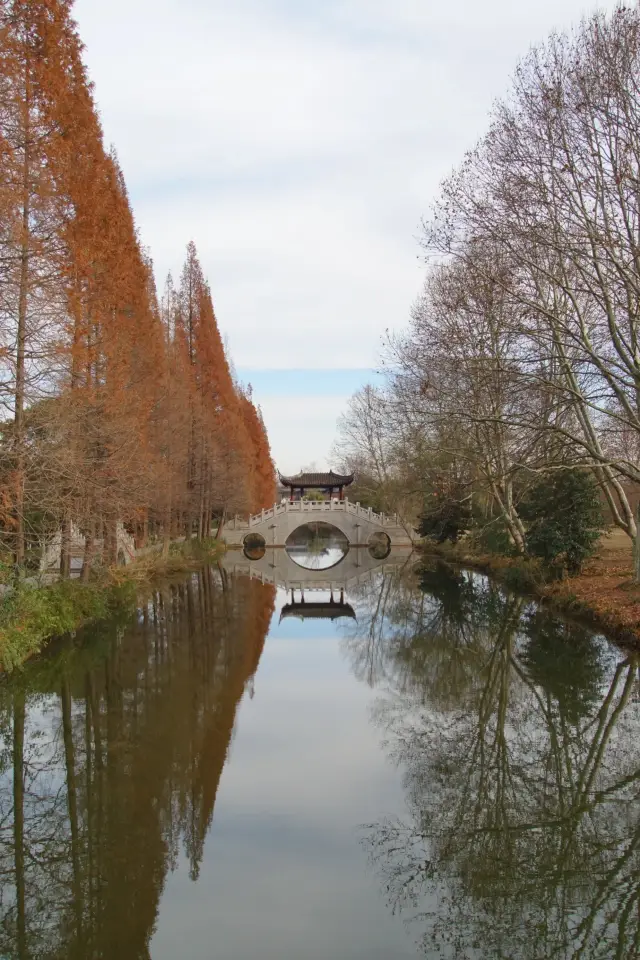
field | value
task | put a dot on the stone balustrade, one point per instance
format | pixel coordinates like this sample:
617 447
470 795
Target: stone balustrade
316 509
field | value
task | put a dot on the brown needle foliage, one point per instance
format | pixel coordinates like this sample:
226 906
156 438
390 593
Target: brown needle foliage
115 408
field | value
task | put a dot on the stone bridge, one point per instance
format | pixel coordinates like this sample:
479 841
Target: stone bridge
357 523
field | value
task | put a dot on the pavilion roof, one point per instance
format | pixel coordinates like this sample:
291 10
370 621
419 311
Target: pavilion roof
329 479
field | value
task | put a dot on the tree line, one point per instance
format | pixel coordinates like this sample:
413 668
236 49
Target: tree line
117 405
521 363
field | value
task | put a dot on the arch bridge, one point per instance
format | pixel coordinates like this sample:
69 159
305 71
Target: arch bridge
357 523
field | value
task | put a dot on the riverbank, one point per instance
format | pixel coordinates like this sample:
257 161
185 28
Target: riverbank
604 594
30 615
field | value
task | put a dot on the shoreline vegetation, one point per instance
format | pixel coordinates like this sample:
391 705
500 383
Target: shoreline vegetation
604 594
32 615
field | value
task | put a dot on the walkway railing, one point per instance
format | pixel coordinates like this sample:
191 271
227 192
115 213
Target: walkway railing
314 508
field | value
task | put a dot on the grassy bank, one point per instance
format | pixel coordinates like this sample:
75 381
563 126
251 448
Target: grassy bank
604 593
30 615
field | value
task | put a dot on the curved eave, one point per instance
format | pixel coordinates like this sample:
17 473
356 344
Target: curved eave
323 480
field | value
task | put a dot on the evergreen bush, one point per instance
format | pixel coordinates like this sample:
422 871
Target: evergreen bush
445 517
565 519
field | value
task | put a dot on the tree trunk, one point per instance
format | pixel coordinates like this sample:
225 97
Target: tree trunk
504 502
166 533
636 547
201 513
18 820
89 554
144 536
21 334
221 522
111 542
72 802
65 549
207 515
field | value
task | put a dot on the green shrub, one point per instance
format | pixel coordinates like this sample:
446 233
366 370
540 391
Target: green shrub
29 615
494 537
445 516
523 576
565 519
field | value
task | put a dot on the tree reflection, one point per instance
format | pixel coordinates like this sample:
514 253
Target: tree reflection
111 753
518 738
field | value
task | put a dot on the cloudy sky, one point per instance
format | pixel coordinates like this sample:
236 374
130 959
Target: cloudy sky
298 144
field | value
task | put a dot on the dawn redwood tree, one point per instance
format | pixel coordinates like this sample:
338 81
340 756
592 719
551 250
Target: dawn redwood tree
36 37
77 319
262 470
224 433
128 351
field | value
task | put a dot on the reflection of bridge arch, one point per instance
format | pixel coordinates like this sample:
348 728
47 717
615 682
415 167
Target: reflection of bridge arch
356 523
276 567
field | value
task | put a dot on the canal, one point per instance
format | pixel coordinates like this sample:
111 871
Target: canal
380 759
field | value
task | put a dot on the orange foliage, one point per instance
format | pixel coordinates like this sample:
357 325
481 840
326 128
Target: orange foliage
123 409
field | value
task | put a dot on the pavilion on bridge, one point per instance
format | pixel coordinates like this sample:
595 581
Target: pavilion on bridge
330 484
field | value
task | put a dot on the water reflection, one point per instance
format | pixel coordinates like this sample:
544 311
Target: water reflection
514 736
331 608
110 759
517 735
317 546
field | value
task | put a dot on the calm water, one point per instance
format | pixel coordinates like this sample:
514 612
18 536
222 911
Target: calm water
389 764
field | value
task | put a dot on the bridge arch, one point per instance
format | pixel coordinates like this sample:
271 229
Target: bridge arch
335 521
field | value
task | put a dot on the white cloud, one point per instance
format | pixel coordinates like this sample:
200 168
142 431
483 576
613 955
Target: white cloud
299 144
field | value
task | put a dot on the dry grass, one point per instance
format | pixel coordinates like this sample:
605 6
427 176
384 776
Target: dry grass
182 557
606 585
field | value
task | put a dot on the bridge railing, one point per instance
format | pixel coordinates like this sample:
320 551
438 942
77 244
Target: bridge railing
314 508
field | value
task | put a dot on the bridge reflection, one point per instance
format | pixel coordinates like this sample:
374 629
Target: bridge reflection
275 565
330 609
317 559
